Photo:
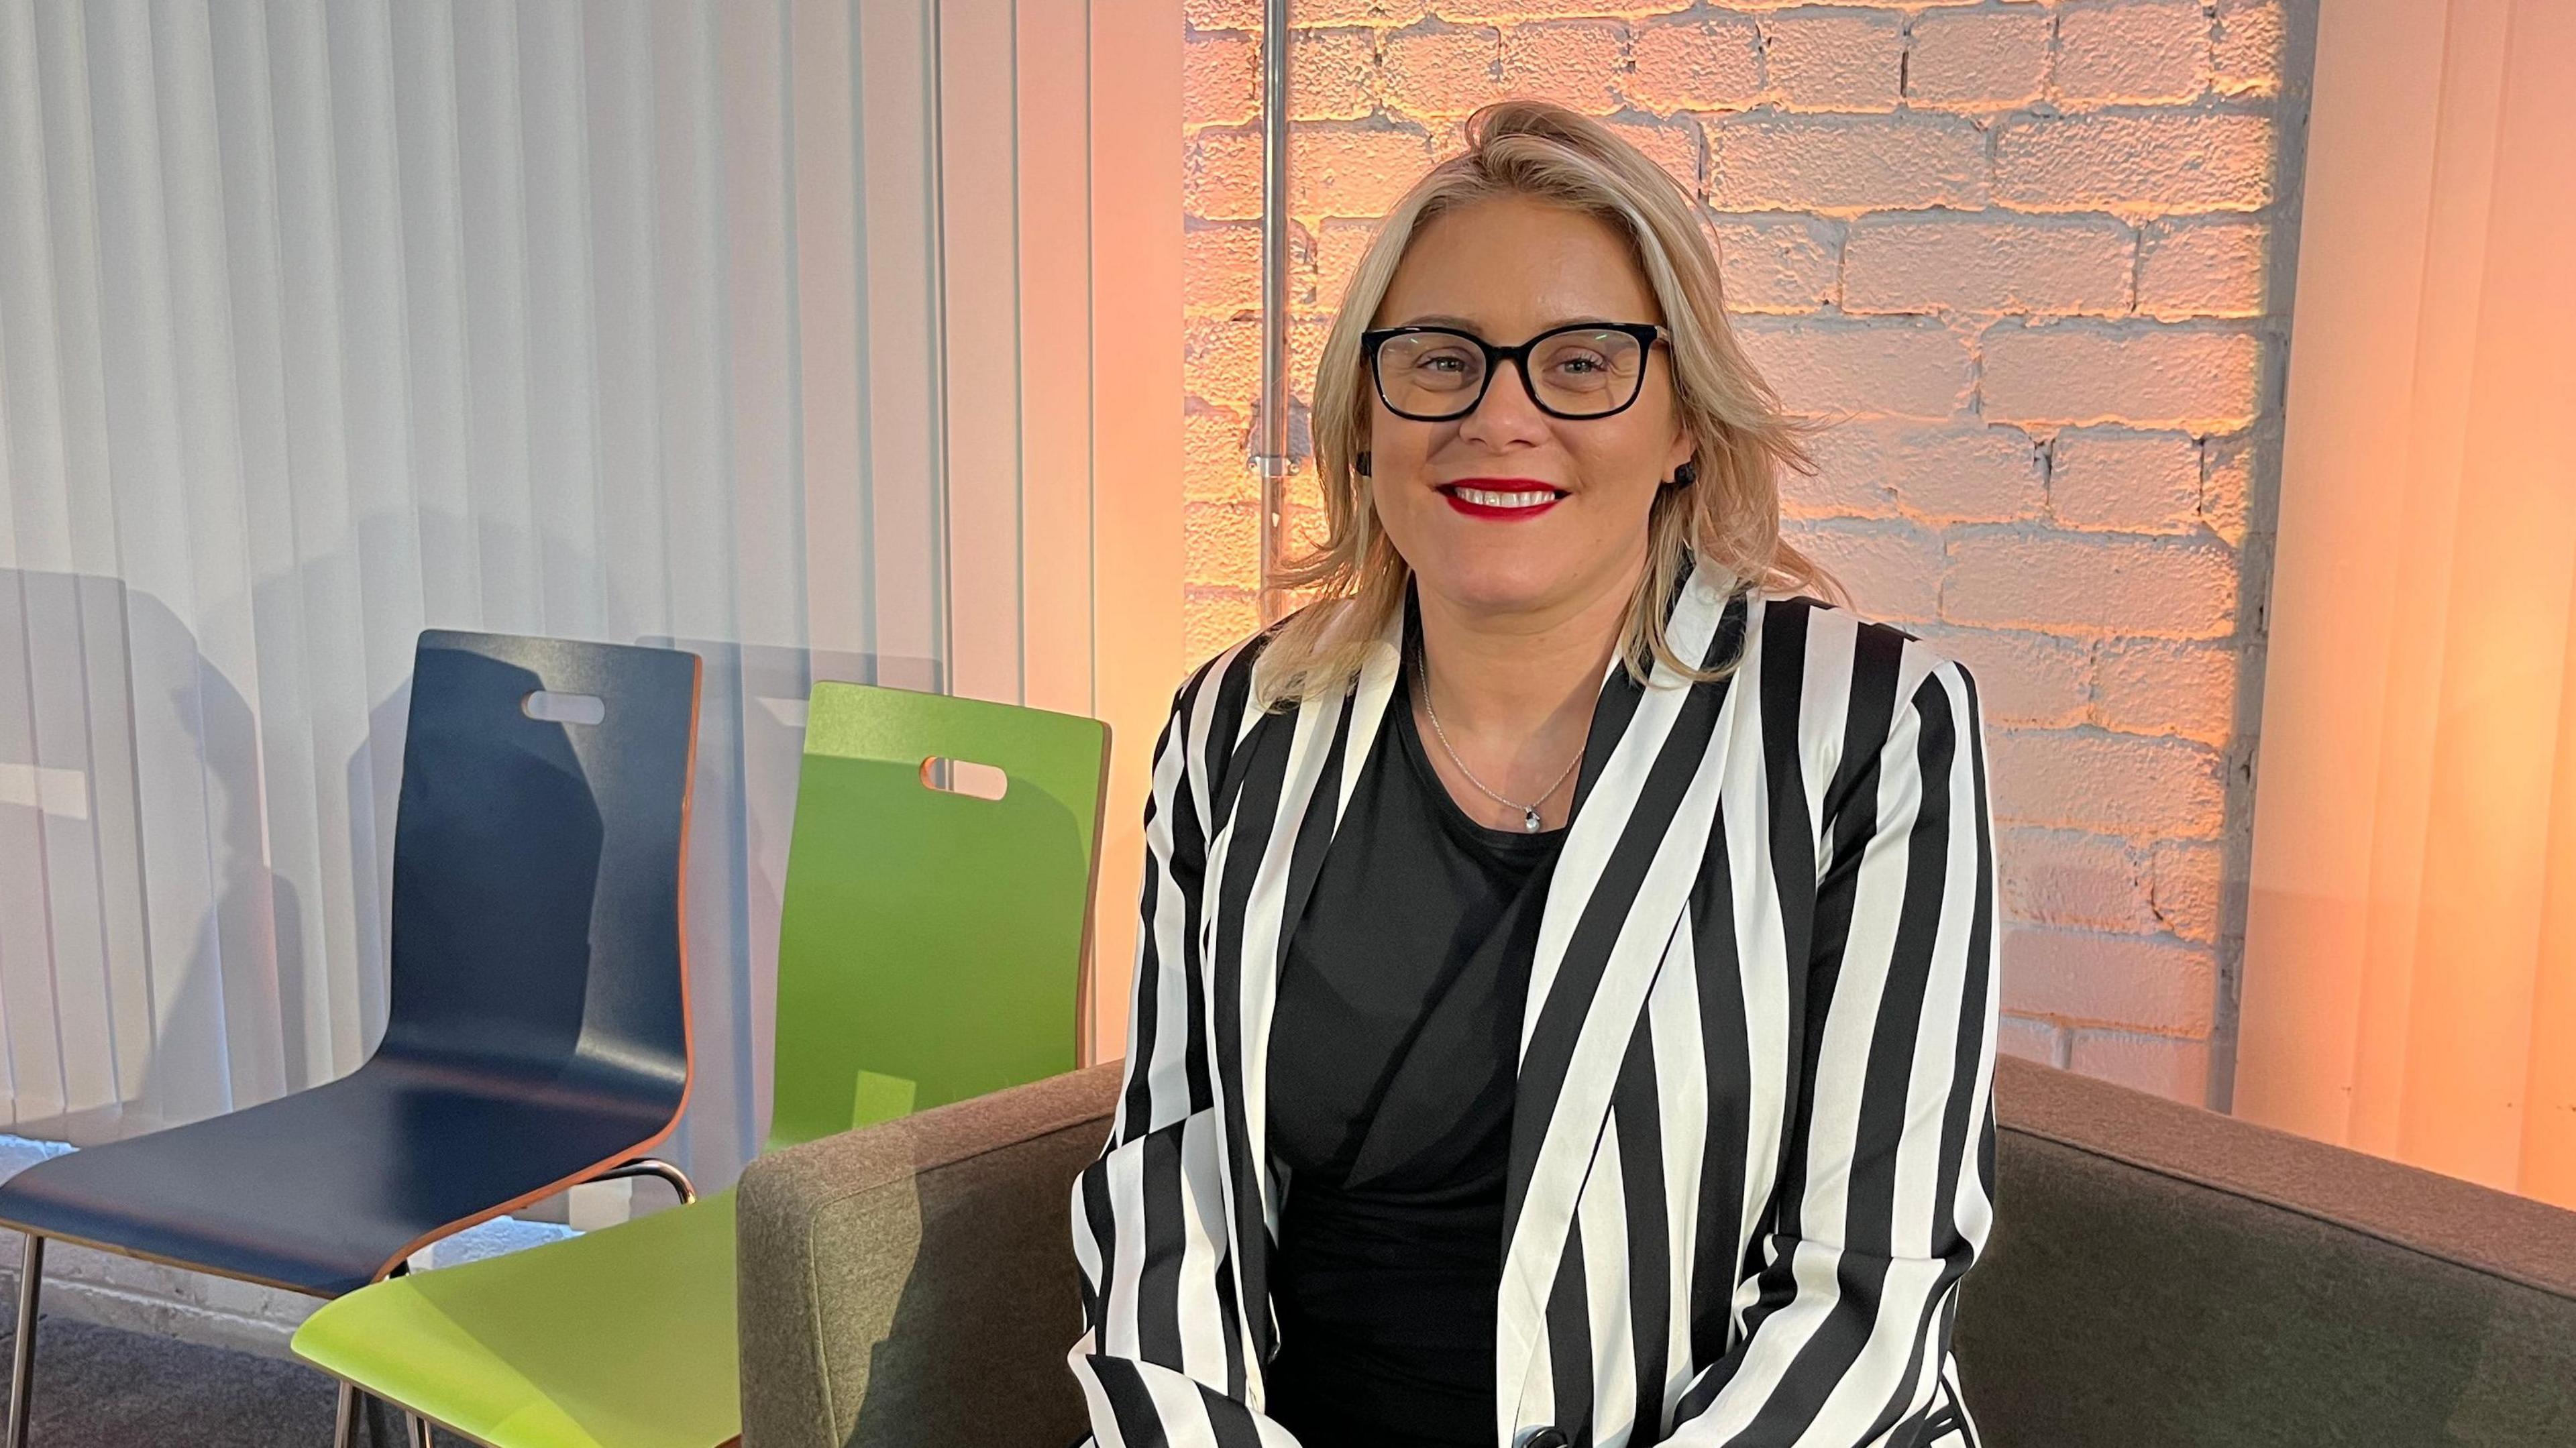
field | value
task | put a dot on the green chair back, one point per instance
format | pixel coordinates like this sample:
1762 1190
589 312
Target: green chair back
930 940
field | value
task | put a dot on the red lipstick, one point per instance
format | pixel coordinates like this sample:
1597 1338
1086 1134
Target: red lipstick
1503 499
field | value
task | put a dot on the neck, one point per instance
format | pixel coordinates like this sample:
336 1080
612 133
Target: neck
1522 685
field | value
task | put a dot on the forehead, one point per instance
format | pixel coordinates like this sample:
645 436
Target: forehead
1508 267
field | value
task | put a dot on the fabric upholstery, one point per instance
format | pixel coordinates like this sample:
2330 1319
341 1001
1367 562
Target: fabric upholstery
2167 1275
913 1283
2160 1275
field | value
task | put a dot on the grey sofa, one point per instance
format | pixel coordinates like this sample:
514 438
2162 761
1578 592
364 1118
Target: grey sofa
2158 1275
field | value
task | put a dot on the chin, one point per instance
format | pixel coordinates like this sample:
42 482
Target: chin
1501 585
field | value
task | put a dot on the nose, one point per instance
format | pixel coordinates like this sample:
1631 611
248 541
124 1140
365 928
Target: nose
1521 412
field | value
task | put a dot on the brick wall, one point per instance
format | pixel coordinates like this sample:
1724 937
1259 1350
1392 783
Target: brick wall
2031 255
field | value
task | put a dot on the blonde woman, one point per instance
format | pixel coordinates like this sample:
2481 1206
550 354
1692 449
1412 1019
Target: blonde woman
1565 1013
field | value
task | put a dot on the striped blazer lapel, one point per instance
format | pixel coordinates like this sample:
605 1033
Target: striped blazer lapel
1290 779
1632 853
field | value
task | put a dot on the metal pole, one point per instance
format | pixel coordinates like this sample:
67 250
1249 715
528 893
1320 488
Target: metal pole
22 1381
1272 456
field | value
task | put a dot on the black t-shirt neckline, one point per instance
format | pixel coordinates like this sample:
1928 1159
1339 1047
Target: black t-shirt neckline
1495 841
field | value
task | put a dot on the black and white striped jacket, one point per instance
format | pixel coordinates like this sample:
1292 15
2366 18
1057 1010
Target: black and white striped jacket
1753 1141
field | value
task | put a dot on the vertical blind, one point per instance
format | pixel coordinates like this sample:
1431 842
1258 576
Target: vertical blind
703 322
2410 980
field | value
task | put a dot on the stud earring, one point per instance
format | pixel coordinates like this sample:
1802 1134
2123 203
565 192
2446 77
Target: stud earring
1683 476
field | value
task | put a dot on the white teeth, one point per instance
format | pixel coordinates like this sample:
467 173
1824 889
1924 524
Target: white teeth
1505 500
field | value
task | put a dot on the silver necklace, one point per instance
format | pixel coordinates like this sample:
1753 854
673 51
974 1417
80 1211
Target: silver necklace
1529 812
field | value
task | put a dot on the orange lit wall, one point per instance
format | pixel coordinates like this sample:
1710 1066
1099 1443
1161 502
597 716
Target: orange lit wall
2033 255
2411 959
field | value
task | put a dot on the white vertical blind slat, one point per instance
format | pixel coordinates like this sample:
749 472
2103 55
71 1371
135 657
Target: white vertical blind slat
197 258
319 579
429 229
697 479
492 196
898 343
829 360
1055 262
563 405
617 91
766 506
378 559
978 207
30 529
80 658
148 470
268 589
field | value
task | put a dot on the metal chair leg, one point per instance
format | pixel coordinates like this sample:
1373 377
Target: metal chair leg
653 1166
344 1422
22 1381
419 1430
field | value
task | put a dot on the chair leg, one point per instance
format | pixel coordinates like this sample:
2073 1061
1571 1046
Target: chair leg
654 1166
419 1430
22 1381
344 1421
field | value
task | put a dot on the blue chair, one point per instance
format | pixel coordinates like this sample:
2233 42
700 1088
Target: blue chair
537 1034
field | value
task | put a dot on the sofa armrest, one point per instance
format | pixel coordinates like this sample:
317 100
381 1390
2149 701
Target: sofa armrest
2159 1273
914 1283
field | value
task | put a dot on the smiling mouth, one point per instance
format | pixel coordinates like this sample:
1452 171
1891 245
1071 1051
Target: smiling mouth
1510 499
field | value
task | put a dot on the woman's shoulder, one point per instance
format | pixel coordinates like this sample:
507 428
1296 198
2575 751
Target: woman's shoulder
1235 660
1855 681
1836 641
1215 692
1229 673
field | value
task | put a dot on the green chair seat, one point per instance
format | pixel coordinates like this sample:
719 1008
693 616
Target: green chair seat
929 950
619 1338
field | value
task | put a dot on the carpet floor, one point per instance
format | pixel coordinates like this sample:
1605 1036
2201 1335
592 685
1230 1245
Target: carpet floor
101 1387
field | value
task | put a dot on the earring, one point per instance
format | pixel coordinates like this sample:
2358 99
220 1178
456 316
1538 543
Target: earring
1364 463
1683 476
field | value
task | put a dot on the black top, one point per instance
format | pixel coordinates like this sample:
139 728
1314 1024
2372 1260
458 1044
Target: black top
1393 1056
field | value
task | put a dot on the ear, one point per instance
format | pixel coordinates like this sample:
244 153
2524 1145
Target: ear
1684 449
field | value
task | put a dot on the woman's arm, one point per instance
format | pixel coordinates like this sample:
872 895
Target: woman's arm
1885 1198
1162 1359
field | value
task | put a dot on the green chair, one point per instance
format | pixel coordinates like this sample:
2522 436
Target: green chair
930 945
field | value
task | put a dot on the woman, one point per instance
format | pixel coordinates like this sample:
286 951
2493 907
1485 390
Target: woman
1566 1004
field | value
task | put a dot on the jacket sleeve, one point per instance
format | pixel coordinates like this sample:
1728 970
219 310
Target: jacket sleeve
1885 1195
1161 1361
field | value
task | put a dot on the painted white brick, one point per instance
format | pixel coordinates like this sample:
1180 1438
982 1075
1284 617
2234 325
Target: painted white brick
2134 983
2032 1040
2118 479
2176 1068
1892 568
2125 784
2075 879
2023 679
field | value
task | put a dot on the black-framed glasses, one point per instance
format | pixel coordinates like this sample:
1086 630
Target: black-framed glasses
1582 370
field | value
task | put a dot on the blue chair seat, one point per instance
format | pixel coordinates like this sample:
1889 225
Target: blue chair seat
326 1190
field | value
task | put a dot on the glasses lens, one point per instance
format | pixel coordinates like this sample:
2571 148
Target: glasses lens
1582 373
1429 374
1587 372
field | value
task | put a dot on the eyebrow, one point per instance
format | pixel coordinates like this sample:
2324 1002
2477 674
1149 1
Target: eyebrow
1444 319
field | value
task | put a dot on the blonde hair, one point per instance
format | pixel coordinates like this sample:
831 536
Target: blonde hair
1726 518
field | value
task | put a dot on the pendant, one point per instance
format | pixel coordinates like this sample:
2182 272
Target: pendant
1529 818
